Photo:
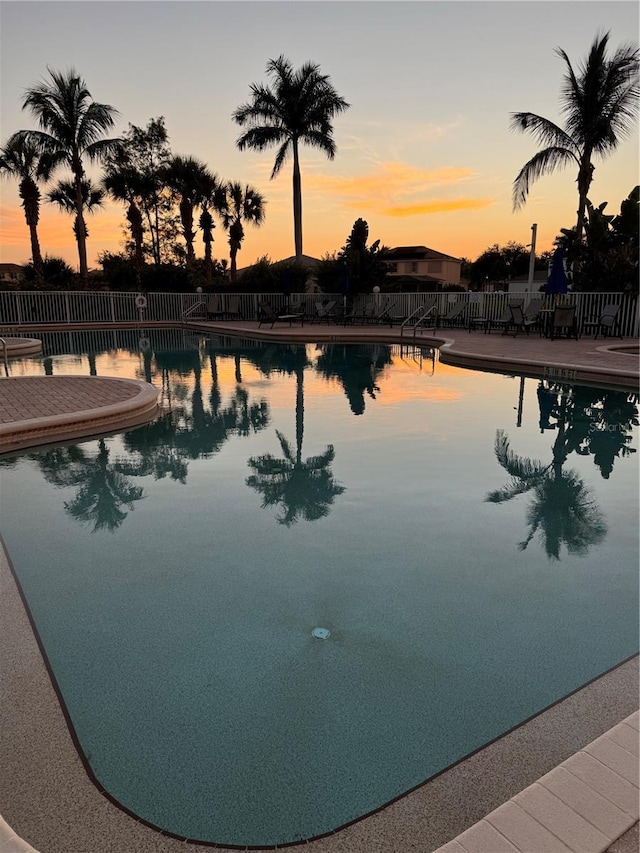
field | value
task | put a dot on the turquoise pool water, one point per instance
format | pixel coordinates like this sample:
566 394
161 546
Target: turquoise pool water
471 564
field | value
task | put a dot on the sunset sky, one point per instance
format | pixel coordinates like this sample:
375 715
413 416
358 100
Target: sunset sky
425 154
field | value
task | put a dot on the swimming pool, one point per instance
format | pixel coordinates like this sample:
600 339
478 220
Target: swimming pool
176 573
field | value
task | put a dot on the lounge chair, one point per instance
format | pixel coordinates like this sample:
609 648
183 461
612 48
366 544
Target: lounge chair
564 322
455 314
519 322
362 315
605 323
214 307
233 308
324 311
268 314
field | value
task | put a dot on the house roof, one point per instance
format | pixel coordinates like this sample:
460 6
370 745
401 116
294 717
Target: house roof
305 261
415 253
10 268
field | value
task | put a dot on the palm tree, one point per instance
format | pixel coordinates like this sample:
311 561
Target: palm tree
22 160
599 102
72 125
213 198
64 195
124 183
297 108
240 205
191 180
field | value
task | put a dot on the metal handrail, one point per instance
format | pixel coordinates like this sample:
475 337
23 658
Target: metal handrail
410 317
190 310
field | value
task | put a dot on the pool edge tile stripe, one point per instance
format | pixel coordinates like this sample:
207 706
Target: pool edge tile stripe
582 806
12 843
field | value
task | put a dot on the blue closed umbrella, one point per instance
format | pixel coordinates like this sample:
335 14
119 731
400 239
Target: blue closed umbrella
557 281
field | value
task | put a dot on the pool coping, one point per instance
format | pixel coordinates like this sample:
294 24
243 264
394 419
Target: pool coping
357 836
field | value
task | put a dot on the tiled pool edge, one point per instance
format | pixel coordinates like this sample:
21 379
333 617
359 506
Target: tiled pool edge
50 795
586 803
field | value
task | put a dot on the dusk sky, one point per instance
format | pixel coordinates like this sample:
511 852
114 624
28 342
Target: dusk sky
425 153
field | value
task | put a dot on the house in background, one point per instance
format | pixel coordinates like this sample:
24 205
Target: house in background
11 275
420 268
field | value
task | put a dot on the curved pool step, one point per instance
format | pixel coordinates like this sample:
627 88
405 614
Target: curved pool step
37 410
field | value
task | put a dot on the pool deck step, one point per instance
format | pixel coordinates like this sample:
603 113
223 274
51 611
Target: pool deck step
582 806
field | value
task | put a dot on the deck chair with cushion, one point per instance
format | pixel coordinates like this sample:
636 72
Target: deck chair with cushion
564 323
605 323
268 314
519 322
214 307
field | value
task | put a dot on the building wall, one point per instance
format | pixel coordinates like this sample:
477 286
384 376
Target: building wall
447 270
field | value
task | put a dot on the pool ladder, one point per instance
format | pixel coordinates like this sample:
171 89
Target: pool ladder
418 316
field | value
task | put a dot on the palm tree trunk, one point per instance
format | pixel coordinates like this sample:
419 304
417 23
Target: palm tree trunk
297 202
585 176
30 195
233 268
186 215
81 229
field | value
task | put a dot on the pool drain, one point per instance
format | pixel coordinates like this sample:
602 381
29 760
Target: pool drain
321 633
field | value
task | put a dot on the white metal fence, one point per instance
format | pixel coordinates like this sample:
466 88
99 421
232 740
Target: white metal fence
66 308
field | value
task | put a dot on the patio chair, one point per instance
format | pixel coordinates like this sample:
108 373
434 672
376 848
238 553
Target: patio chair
268 314
455 314
533 309
214 307
519 322
503 321
324 311
564 322
605 323
233 308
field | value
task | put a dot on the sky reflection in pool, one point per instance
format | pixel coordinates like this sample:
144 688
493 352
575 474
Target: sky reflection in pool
471 568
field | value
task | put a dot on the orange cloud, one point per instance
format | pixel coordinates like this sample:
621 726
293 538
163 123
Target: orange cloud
392 179
437 205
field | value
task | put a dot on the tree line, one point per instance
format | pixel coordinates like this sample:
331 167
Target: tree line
163 193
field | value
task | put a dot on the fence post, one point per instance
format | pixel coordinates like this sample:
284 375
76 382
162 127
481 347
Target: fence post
113 314
66 307
18 308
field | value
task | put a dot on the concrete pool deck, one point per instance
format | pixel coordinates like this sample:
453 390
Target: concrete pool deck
47 798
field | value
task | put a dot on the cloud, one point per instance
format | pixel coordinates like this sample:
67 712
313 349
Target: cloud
397 189
437 205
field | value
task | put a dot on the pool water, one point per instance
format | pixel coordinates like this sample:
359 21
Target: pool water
467 542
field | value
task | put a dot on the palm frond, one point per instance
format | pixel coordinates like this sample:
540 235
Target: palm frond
543 163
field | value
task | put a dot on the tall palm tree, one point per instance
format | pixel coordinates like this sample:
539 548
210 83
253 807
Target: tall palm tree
213 198
72 126
240 205
599 102
190 179
124 183
21 159
64 194
296 108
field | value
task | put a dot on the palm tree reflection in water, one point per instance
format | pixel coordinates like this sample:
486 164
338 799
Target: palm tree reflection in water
302 488
563 510
103 491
